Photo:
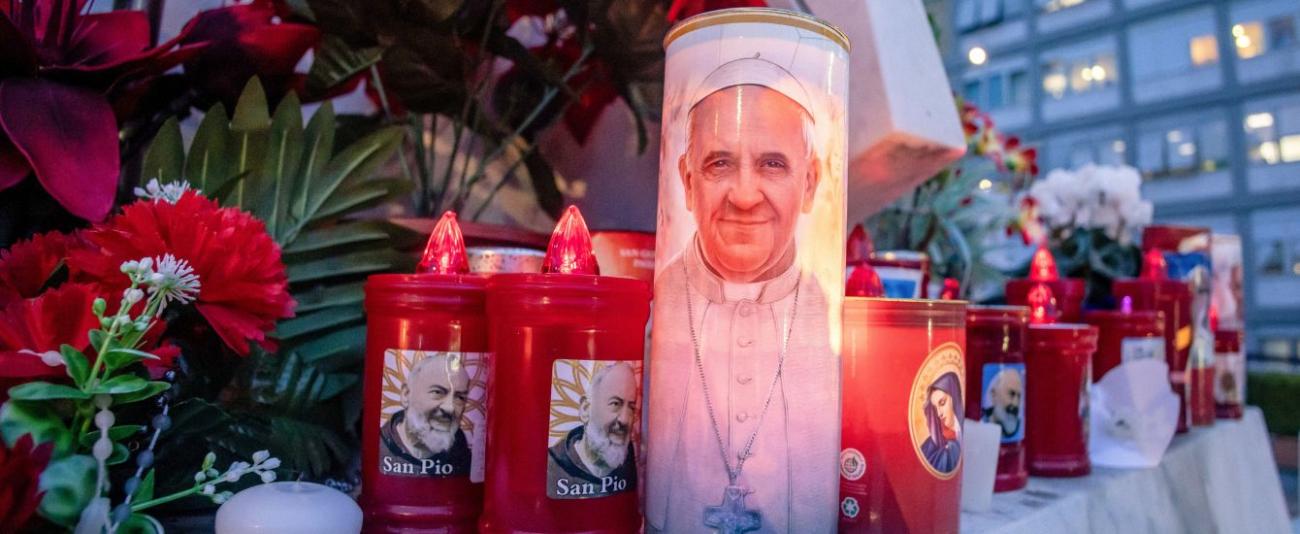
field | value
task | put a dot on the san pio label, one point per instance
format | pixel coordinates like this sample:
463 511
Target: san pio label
594 430
433 420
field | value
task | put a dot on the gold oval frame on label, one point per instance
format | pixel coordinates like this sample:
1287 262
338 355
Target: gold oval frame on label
924 376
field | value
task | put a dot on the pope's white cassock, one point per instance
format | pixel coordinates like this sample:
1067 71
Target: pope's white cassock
793 469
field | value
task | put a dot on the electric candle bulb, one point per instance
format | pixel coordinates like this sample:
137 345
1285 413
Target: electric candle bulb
445 252
1126 305
1154 266
1042 305
570 251
1042 268
864 282
859 247
951 289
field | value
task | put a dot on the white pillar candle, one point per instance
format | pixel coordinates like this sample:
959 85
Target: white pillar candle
289 508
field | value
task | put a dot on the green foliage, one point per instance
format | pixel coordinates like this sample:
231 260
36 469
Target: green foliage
950 219
1276 394
69 484
306 189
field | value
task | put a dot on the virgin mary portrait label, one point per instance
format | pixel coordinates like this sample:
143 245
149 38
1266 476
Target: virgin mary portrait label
594 428
935 410
433 417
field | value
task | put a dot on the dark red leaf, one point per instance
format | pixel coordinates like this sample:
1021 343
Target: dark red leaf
106 38
13 166
245 41
69 137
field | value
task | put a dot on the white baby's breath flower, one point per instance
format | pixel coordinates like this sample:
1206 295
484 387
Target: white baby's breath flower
132 296
261 456
209 489
271 463
51 358
169 193
174 279
268 477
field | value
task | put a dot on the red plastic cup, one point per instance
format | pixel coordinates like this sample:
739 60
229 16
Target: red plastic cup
1230 374
900 458
1125 336
1059 364
411 317
995 371
1174 300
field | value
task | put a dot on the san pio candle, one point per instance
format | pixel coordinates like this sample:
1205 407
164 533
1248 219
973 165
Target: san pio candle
1154 291
564 423
423 428
1058 374
1126 335
995 370
1068 292
905 383
749 275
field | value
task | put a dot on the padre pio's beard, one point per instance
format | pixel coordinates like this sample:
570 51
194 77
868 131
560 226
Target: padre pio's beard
435 433
606 447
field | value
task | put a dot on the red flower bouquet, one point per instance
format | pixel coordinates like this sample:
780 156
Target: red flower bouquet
245 288
20 469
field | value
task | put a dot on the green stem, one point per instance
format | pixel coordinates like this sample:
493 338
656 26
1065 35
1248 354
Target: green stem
166 498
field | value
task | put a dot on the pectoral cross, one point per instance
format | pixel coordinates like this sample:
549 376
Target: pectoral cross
731 517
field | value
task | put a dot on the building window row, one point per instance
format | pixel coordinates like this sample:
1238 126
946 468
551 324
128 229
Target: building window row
1273 134
1184 150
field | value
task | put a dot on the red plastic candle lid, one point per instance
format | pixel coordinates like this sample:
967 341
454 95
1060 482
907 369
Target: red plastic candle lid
570 269
1042 267
570 250
445 251
1042 304
864 281
424 291
859 247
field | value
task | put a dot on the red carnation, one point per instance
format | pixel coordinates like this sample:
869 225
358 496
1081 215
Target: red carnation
27 265
57 317
245 288
20 469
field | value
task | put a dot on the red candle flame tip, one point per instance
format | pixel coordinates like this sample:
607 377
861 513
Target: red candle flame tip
1154 266
1042 268
859 247
570 251
445 252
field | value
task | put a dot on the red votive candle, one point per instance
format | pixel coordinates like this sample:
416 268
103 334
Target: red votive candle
1059 364
1230 367
423 428
1154 291
905 378
1125 335
1069 292
566 395
995 370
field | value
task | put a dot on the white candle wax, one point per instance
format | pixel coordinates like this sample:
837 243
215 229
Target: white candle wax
289 508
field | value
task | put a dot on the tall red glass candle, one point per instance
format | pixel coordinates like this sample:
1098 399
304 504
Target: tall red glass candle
904 378
1069 292
425 380
1059 363
1154 291
568 348
1230 382
995 372
1186 253
1125 335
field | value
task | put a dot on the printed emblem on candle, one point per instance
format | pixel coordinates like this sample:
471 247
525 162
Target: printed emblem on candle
433 415
849 507
1230 368
1003 399
852 464
935 410
594 428
1142 348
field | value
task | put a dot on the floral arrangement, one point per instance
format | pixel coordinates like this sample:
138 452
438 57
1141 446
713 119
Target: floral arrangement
1088 217
168 252
963 212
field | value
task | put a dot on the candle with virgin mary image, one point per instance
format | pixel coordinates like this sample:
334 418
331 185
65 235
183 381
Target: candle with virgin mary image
744 367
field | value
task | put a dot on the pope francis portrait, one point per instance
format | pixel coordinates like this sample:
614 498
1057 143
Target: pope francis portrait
744 384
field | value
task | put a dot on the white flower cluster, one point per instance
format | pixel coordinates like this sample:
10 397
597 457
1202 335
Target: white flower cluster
1105 197
169 193
263 466
167 274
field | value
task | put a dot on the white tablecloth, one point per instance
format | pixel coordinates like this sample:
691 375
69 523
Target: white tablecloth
1215 480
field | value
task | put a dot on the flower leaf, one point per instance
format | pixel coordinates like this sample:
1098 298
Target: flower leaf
207 166
32 391
319 141
76 363
165 157
38 419
69 484
121 384
148 392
